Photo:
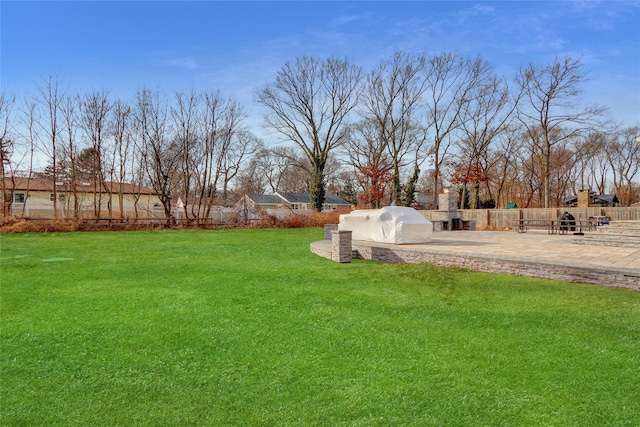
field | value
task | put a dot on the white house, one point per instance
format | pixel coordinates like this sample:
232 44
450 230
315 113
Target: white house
33 198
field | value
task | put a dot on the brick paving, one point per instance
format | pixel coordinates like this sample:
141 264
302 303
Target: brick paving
537 245
534 253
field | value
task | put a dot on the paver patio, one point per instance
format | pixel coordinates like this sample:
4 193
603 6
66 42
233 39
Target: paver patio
535 253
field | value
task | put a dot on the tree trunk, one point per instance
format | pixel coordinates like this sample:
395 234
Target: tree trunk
316 188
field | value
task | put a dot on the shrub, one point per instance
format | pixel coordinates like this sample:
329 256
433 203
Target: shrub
24 225
290 219
299 219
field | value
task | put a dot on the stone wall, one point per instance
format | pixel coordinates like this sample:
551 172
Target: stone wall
341 249
328 228
598 276
617 278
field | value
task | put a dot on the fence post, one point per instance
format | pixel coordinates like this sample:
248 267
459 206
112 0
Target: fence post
328 228
341 250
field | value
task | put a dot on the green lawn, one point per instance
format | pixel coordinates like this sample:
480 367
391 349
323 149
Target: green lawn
248 327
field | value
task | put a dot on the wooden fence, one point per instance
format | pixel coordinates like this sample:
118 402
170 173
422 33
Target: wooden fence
507 218
496 219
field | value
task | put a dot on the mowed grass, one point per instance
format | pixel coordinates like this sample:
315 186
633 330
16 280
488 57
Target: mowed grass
247 327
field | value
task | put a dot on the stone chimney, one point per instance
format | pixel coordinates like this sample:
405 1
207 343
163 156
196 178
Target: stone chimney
584 198
448 202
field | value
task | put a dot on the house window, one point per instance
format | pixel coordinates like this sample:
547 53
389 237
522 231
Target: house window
18 197
60 197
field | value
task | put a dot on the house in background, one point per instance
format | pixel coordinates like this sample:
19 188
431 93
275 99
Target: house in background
262 201
33 198
250 206
587 198
295 201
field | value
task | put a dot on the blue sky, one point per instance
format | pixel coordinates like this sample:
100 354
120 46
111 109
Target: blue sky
238 46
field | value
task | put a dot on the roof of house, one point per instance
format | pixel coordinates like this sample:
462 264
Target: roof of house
609 198
294 197
304 198
44 184
266 199
335 200
606 198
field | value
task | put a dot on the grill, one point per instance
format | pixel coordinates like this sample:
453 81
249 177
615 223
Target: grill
566 222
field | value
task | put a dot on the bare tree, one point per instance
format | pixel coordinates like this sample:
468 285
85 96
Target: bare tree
562 167
483 118
391 97
136 167
94 111
6 147
368 155
269 166
69 116
599 168
624 157
121 133
222 124
335 174
205 172
502 166
309 104
283 169
230 127
243 145
49 98
185 117
530 180
251 179
550 108
451 82
160 153
30 120
591 166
